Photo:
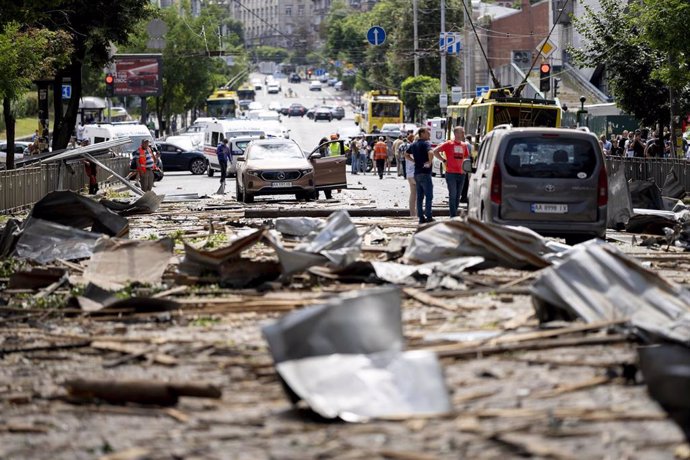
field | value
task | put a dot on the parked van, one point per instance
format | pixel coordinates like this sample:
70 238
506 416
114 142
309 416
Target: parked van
216 131
102 132
550 180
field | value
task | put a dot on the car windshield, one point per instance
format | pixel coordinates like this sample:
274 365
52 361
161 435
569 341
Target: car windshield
390 127
277 151
385 109
231 134
547 157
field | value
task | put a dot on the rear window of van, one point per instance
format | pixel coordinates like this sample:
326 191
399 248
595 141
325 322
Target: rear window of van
547 157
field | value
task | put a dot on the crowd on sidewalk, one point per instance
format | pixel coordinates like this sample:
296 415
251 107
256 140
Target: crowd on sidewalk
643 144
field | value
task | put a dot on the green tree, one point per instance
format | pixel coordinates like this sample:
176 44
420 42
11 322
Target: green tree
271 53
420 96
26 54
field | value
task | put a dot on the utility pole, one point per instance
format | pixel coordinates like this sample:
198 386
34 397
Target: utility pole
443 98
416 38
466 51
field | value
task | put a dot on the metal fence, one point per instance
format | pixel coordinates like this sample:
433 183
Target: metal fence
655 169
23 187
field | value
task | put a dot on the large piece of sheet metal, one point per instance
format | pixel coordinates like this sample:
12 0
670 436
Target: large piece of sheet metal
124 261
197 259
619 207
338 241
597 282
299 226
43 241
362 322
89 149
513 247
360 387
666 371
148 203
74 210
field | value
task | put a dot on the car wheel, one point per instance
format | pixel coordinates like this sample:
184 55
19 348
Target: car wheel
197 166
210 171
370 164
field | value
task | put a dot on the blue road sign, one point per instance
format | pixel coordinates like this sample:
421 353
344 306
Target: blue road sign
338 64
450 42
319 72
66 91
481 90
376 35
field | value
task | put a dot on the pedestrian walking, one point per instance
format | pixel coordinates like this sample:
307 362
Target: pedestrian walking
420 153
409 174
224 155
380 155
145 162
398 160
454 153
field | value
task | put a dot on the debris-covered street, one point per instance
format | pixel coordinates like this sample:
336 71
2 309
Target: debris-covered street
394 341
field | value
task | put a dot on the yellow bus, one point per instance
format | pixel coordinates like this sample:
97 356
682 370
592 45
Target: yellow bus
497 107
222 104
378 108
246 92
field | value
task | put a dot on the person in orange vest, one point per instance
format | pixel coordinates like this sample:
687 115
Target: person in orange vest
380 155
145 162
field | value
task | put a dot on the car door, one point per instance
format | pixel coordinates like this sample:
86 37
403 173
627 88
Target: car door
170 155
329 171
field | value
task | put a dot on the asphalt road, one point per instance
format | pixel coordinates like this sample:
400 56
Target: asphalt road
363 190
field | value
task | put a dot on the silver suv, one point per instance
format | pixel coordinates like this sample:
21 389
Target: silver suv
548 179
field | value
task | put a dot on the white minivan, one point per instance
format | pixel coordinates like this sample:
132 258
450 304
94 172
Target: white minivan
102 132
240 130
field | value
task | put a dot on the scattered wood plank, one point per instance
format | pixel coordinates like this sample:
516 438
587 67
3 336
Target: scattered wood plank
133 352
435 301
569 388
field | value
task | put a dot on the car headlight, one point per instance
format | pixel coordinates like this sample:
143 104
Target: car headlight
304 172
251 172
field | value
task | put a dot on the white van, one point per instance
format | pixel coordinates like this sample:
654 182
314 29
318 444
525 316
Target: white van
218 130
102 132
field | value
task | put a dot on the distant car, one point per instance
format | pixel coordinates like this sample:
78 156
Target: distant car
338 86
179 157
257 83
244 104
323 113
550 180
273 87
20 147
284 109
255 106
332 81
295 78
280 167
315 86
338 113
323 78
297 110
391 129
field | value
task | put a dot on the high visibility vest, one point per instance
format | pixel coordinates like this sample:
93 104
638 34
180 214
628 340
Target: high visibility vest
141 166
380 151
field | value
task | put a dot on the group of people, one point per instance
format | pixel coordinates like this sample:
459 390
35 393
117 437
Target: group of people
637 144
415 155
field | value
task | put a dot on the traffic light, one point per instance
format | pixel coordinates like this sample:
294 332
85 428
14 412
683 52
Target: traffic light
556 81
109 85
544 77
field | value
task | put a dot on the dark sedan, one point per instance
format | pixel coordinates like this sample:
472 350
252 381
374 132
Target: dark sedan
323 113
294 78
177 158
297 110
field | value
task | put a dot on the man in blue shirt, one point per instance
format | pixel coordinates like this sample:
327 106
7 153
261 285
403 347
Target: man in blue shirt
421 154
223 153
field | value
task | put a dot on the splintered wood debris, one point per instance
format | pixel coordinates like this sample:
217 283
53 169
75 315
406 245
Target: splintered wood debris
562 390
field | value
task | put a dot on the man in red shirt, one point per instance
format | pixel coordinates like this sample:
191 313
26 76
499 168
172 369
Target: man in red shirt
454 153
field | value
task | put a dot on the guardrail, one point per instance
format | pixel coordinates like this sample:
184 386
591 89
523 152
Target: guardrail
655 169
23 187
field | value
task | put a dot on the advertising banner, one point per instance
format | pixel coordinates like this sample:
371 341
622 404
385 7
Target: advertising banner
138 75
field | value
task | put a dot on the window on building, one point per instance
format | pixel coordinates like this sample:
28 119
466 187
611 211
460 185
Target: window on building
288 11
300 10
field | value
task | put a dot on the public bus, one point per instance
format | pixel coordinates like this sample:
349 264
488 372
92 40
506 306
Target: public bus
377 108
480 115
246 92
222 104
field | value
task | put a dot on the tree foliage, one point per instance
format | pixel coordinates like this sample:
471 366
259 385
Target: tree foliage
270 53
636 66
420 96
26 54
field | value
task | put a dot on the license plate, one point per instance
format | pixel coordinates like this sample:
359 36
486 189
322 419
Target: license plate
548 208
281 184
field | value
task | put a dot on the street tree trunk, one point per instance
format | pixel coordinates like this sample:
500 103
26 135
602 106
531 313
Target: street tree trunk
9 125
57 102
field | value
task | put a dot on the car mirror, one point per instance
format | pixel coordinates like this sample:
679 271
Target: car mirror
467 166
315 155
241 158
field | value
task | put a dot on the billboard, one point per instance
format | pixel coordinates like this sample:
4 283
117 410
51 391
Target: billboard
138 74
